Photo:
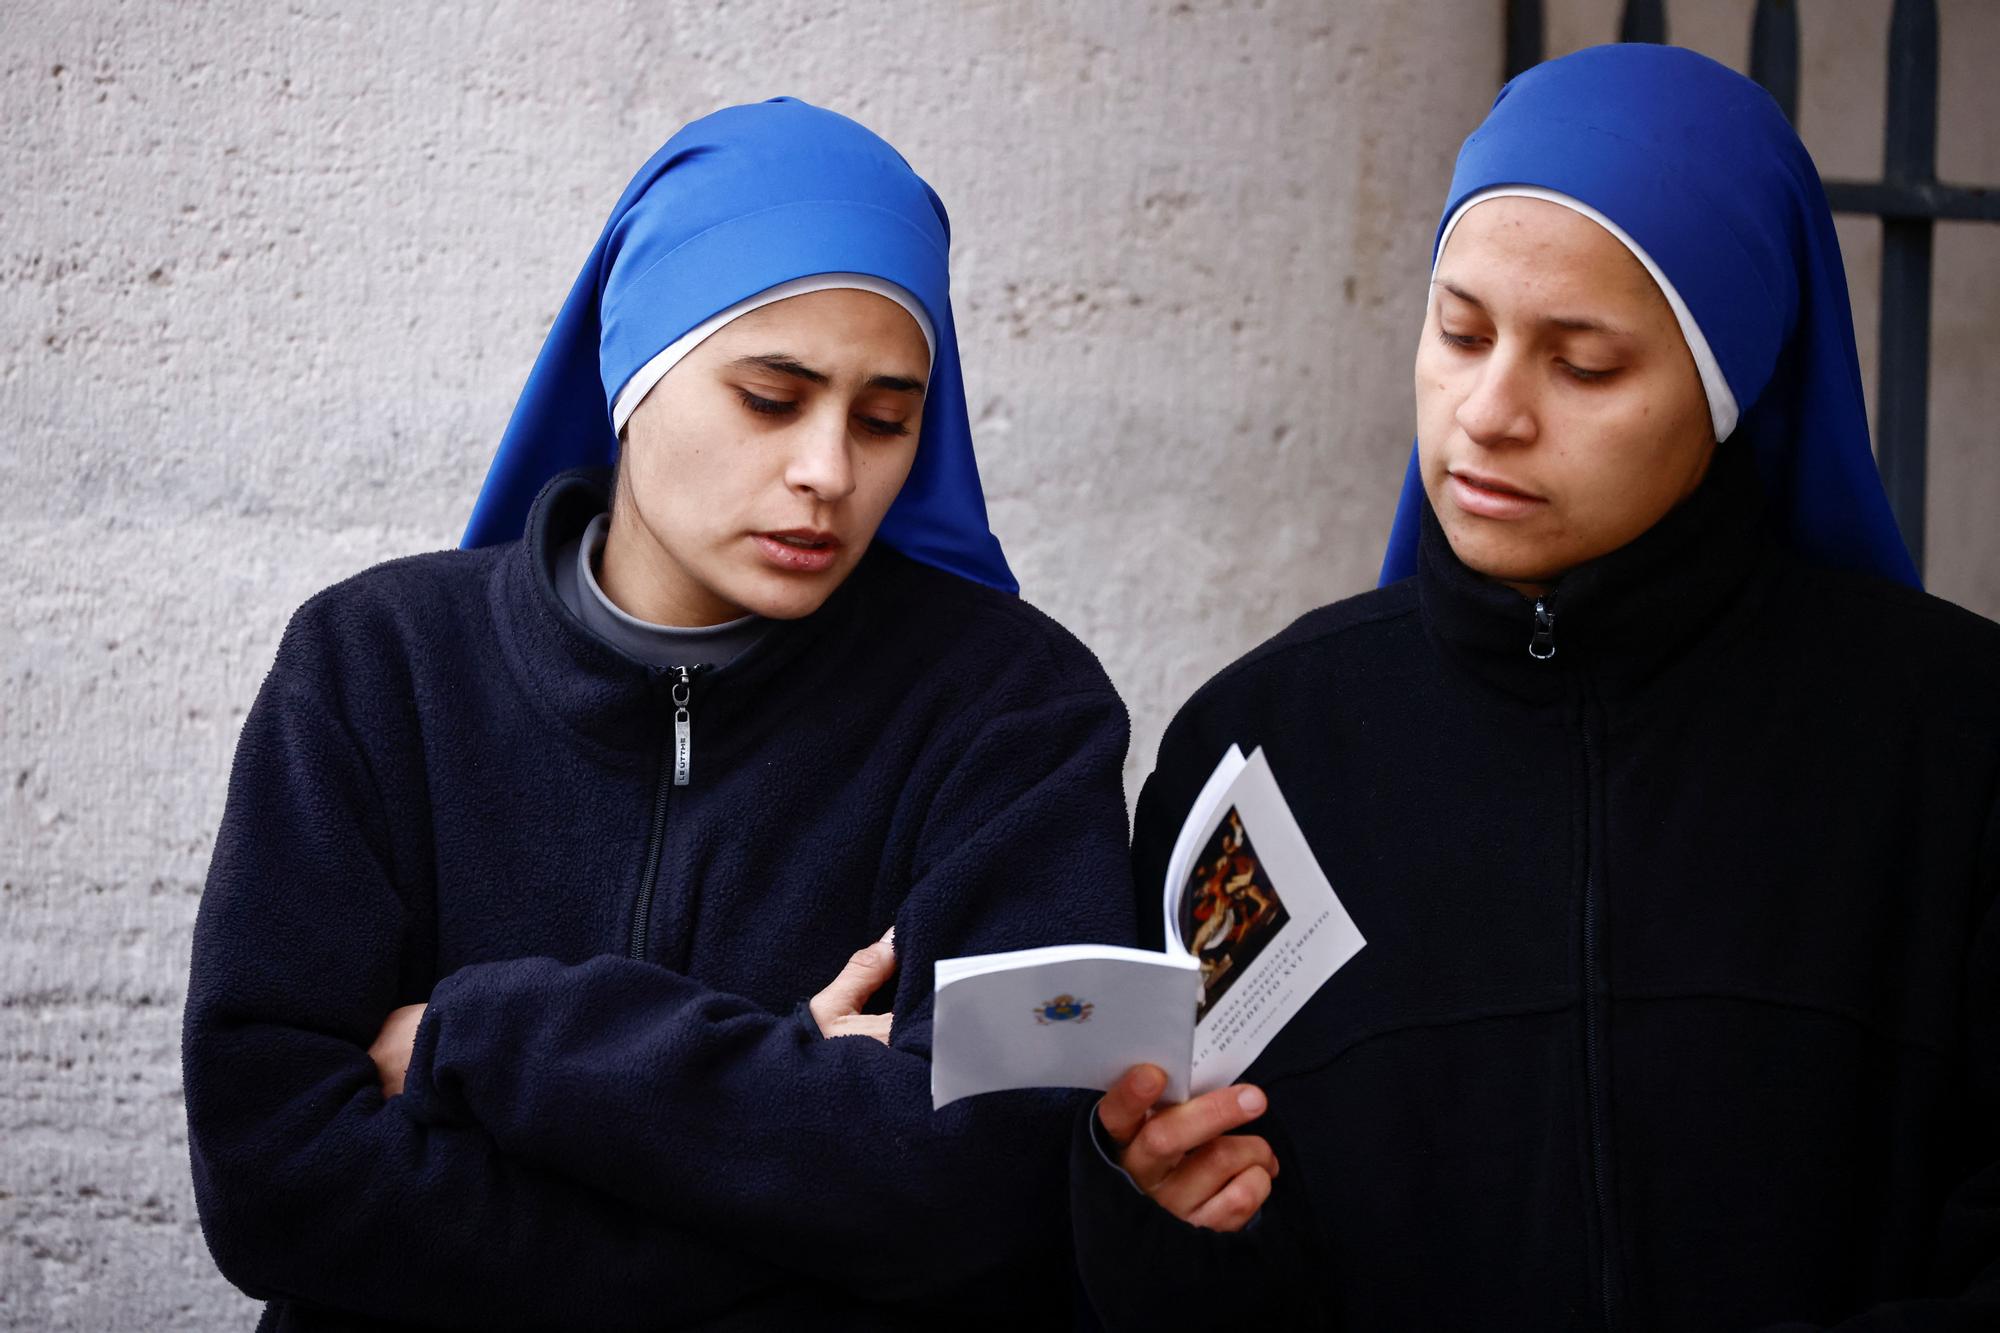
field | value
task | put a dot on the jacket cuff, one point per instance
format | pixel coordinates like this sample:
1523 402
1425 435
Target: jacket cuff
1141 1265
422 1098
802 1015
1106 1151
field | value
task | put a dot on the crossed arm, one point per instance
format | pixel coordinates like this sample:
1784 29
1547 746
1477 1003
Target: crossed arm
837 1011
732 1153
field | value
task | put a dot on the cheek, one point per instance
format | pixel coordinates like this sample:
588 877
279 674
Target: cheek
1624 463
683 484
1431 366
1436 396
881 473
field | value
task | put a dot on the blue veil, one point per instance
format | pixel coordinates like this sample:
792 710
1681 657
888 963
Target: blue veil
1699 166
734 204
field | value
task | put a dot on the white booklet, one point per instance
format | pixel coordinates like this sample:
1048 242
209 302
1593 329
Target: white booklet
1253 930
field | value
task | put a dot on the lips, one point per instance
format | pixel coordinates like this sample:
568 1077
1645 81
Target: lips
799 550
1487 496
804 538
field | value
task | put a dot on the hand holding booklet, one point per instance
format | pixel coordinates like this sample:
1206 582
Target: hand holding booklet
1253 929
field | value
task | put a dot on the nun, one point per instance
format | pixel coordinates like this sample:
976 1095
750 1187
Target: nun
566 955
1667 803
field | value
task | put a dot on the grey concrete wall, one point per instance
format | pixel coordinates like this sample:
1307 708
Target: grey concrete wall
271 276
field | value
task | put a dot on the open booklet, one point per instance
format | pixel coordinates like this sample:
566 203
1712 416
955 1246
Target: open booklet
1252 928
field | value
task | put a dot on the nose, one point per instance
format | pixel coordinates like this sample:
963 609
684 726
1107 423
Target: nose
1500 408
821 465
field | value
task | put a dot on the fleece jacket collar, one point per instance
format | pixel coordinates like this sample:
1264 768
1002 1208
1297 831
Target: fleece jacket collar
1622 618
594 690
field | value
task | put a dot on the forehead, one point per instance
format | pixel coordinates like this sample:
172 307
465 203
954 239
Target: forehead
1537 251
853 323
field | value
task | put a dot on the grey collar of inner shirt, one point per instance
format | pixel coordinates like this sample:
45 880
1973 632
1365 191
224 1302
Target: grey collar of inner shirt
655 645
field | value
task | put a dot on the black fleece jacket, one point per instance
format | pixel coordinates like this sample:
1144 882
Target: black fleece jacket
1680 1007
619 1115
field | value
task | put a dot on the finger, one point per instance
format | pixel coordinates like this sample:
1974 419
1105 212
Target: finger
1238 1201
863 975
1123 1109
861 1025
1203 1173
1181 1129
392 1047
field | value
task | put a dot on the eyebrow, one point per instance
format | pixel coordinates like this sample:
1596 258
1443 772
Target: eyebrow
785 365
1570 323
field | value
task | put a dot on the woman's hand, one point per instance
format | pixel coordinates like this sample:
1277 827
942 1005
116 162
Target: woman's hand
837 1009
392 1047
1184 1156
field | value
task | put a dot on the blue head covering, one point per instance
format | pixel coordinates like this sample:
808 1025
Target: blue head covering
1696 164
733 205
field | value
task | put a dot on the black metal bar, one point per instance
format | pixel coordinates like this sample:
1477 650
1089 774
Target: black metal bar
1909 159
1910 144
1643 21
1915 199
1524 36
1774 53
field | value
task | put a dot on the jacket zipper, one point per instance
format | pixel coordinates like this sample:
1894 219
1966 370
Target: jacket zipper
1542 643
1593 1073
1542 647
668 777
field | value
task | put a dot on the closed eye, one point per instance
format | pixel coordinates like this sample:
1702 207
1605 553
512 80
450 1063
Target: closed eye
1583 376
886 429
779 407
770 407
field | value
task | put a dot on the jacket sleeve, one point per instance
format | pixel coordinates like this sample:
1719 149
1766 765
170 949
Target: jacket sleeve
1142 1267
1966 1264
310 1186
1145 1269
750 1126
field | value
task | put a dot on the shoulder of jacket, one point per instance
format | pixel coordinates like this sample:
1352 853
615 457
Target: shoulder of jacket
1903 658
1336 629
1895 627
418 582
373 622
987 625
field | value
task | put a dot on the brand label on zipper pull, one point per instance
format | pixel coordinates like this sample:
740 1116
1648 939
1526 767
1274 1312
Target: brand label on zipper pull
683 730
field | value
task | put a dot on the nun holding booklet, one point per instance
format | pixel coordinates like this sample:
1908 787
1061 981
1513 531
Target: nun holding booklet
1667 803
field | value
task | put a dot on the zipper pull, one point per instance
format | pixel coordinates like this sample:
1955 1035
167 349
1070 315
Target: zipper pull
683 727
1542 645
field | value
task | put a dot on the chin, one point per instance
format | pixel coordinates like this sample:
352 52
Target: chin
788 608
1503 561
787 597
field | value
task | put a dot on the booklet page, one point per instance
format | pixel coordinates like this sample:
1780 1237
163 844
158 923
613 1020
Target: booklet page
1258 916
1074 1016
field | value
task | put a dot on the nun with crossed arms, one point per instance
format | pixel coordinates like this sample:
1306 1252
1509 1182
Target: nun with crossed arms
1668 804
565 958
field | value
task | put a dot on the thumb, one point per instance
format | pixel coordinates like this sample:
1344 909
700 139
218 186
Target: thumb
1124 1107
863 975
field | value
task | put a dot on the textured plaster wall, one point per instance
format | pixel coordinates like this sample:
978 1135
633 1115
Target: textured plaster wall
271 276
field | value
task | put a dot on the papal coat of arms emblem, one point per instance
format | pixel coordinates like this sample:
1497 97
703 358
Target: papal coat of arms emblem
1063 1009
